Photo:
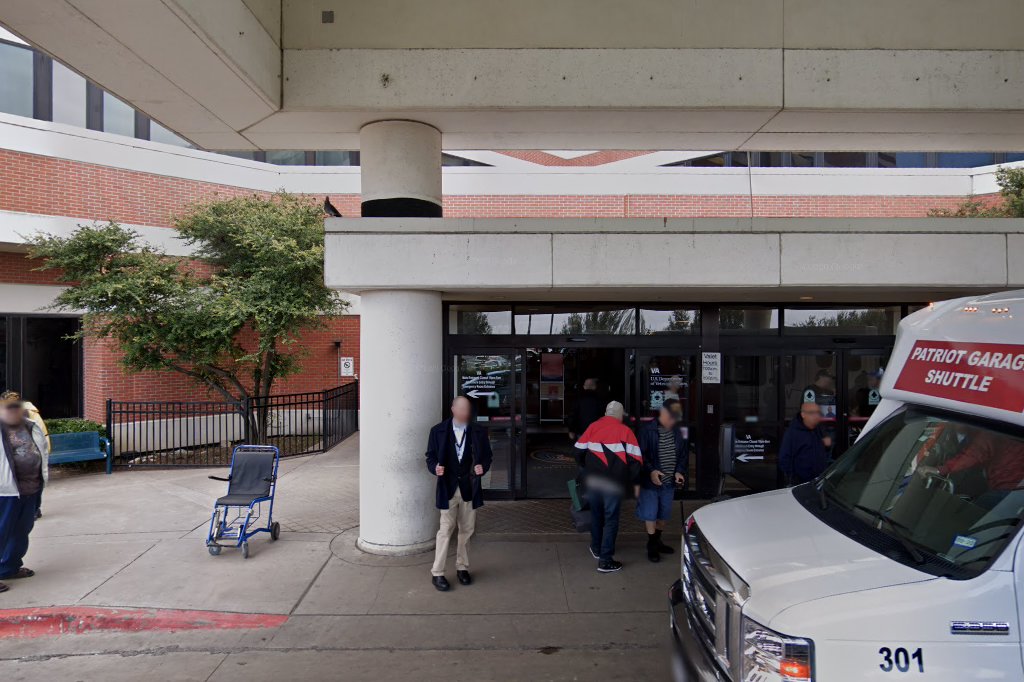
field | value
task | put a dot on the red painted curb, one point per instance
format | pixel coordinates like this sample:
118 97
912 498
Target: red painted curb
76 620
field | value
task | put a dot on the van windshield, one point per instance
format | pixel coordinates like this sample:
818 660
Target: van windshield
949 492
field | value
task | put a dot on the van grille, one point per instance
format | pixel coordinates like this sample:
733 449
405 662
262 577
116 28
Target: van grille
714 597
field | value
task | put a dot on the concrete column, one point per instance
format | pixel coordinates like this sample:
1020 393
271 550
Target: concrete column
400 170
400 399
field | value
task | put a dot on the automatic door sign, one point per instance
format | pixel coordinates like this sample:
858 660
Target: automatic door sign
874 397
986 374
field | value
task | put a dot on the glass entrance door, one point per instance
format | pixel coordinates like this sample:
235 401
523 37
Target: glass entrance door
566 388
492 380
862 370
665 376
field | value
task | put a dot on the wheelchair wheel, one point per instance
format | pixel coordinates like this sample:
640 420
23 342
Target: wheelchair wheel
214 550
245 550
275 530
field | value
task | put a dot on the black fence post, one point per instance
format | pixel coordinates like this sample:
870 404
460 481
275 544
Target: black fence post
246 420
110 427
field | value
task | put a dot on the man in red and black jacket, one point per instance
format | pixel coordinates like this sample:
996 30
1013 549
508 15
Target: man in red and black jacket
611 461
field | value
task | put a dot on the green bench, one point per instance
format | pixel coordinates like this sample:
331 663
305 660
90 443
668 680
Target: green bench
80 447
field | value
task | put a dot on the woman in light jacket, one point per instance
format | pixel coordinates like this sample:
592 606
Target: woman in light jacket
23 473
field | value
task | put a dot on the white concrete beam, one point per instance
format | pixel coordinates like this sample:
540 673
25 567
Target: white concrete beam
605 258
199 68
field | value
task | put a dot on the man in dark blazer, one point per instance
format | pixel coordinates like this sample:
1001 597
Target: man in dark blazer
458 454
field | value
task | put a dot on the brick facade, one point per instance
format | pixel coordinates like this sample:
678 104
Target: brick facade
105 378
52 186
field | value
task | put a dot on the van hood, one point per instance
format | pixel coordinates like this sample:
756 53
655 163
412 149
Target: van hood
787 556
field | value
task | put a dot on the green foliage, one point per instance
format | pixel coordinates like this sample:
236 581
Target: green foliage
599 322
1011 192
55 426
230 321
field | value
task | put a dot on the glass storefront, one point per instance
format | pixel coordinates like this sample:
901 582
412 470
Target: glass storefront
528 368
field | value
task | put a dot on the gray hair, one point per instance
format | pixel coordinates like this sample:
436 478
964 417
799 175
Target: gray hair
614 409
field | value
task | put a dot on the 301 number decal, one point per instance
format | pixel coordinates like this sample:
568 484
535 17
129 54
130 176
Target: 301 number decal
900 660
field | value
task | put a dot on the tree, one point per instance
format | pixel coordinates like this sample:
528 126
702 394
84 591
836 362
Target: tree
472 322
228 317
1011 194
599 322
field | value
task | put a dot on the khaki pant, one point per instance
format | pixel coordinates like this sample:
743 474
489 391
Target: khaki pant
460 513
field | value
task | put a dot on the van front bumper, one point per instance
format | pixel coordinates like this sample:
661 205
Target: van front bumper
690 659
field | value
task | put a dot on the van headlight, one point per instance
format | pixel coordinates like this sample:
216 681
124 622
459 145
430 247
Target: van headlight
769 656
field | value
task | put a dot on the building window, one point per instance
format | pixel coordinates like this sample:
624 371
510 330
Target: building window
118 117
157 133
801 159
902 160
881 321
739 159
714 161
337 158
479 319
68 96
965 159
749 321
845 159
575 320
669 321
287 157
453 160
16 78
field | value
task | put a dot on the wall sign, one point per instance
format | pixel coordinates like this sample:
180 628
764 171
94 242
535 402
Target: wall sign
347 367
711 368
988 374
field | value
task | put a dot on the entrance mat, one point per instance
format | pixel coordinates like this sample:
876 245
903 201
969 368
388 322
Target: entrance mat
76 620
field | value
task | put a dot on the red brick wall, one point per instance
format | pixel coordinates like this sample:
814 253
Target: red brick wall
40 184
693 206
43 184
104 377
17 268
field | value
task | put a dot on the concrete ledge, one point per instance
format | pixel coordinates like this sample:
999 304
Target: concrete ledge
508 226
677 257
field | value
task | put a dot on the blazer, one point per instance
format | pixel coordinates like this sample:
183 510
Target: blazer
441 450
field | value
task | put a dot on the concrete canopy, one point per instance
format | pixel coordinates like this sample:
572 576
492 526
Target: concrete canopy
576 74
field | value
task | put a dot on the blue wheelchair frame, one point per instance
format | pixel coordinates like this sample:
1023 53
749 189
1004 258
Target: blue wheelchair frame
237 530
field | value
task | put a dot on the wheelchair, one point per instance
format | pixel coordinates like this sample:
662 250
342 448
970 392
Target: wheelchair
252 481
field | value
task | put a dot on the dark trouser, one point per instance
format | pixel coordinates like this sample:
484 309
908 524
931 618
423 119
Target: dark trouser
604 522
17 516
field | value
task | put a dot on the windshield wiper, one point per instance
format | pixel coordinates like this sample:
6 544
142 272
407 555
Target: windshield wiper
822 495
897 533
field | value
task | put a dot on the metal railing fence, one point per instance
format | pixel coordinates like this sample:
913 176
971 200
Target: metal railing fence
203 433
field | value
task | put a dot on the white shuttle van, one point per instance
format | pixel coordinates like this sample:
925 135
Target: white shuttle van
904 560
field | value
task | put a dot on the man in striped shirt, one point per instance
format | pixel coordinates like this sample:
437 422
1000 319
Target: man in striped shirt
666 461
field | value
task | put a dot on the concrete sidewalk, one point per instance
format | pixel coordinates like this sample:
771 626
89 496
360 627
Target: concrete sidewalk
538 609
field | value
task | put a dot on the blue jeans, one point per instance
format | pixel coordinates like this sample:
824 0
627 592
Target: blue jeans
604 522
17 516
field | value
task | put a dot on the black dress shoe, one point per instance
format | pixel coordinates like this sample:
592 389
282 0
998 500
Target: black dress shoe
464 577
441 583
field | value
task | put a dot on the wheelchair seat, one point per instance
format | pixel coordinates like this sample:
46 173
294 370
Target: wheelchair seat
236 500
